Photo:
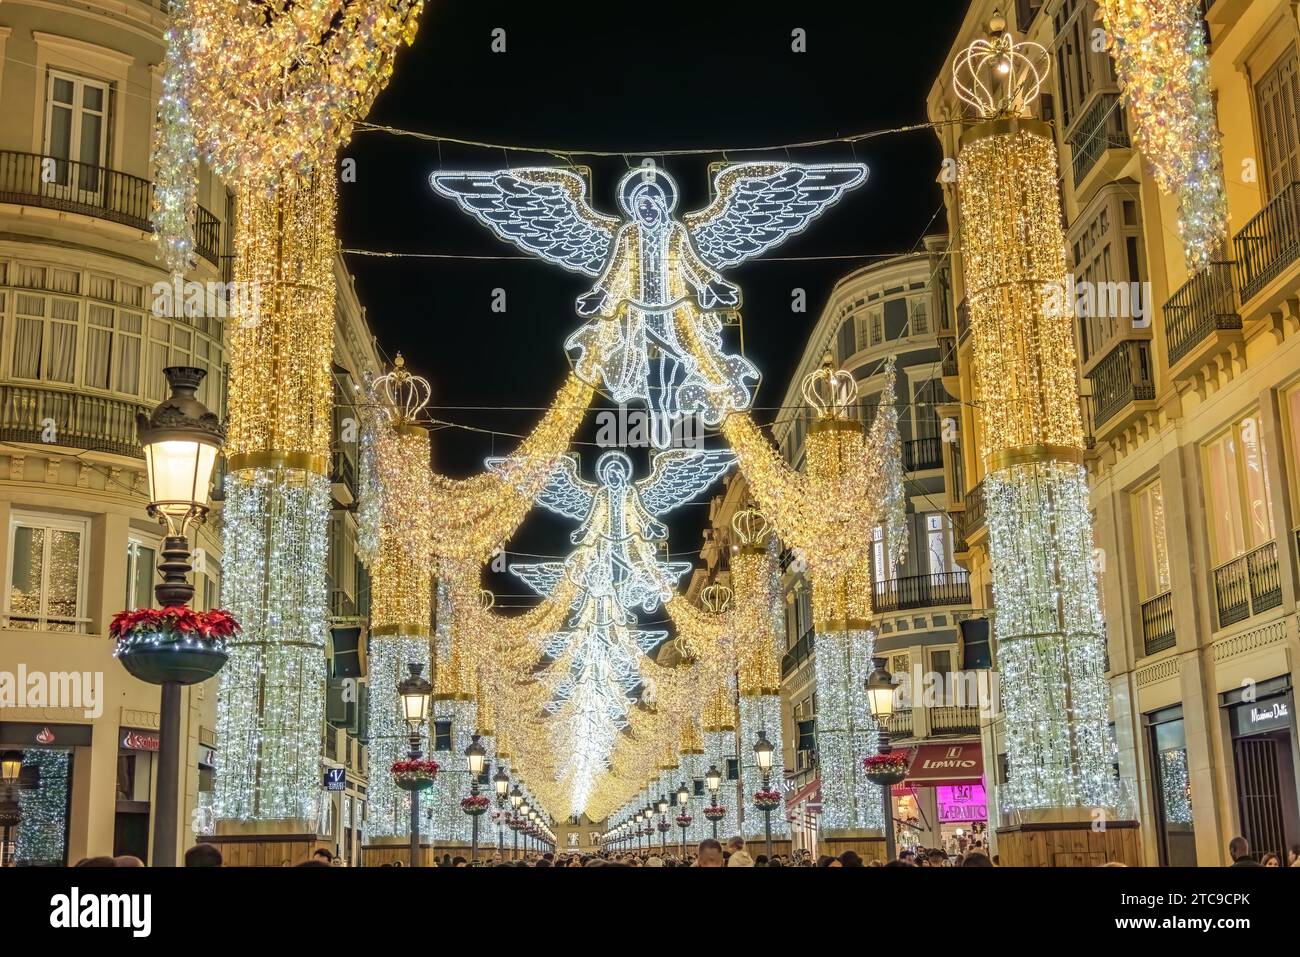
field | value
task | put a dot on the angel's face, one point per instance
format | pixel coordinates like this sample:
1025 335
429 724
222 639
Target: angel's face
614 470
649 210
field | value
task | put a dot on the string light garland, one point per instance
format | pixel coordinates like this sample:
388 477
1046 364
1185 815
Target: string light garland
1160 54
1051 639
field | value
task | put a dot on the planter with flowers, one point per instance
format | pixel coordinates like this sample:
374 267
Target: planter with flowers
684 820
767 800
177 644
715 812
475 804
415 775
664 826
888 768
515 822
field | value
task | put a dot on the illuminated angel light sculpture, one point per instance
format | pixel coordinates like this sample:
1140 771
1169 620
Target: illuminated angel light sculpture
620 531
654 332
595 665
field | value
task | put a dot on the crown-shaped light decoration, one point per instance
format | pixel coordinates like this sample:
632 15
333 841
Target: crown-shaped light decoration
830 391
998 76
402 396
750 526
716 598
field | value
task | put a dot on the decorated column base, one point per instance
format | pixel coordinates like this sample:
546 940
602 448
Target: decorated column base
1069 844
267 843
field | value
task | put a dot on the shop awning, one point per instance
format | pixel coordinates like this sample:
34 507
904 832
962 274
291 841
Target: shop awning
935 764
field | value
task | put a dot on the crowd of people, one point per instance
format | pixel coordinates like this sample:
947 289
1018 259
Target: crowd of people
709 853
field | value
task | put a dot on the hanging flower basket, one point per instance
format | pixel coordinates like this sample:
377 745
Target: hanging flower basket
889 768
684 820
664 825
415 775
475 804
768 800
177 644
715 812
515 823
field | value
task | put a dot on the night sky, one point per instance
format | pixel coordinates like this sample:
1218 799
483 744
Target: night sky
630 78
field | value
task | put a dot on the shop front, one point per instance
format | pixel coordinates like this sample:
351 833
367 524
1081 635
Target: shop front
36 791
137 752
1171 780
1261 722
942 802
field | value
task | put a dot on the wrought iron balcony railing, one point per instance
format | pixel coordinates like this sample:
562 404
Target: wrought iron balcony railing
921 454
1103 127
79 421
31 179
1247 585
1158 623
922 591
1269 243
1124 376
1207 302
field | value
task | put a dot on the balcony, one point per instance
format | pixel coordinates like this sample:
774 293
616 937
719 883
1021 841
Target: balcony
922 591
1269 243
89 422
970 521
954 719
799 653
1195 315
1101 129
343 478
948 358
30 179
1158 623
1121 379
922 454
1247 585
900 724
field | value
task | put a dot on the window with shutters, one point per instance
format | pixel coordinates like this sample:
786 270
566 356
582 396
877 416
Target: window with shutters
1277 99
1081 68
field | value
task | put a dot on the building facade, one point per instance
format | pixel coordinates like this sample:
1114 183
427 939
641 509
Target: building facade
88 320
1190 385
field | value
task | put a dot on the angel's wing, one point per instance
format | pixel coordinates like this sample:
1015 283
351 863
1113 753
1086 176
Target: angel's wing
679 475
540 210
542 577
758 205
565 491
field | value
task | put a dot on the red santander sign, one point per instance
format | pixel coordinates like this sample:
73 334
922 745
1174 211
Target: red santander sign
139 740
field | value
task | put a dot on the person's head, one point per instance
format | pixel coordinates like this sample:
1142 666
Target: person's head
936 857
313 862
826 861
899 863
324 854
1293 855
975 858
655 861
710 853
101 861
1271 860
203 855
458 861
850 859
760 861
127 860
775 862
907 857
735 844
1238 848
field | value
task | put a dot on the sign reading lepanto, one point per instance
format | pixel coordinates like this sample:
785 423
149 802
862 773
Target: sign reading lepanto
654 332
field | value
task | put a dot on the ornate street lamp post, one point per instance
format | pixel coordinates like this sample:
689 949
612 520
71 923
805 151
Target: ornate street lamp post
501 781
475 758
880 696
662 807
516 799
414 691
713 782
181 439
763 753
683 799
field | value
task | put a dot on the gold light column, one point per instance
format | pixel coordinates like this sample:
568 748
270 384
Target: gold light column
1048 624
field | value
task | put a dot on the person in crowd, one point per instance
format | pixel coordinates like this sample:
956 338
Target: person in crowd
760 861
654 861
313 861
1293 856
850 859
130 860
1270 860
101 861
899 863
739 856
775 861
1239 851
937 858
203 855
826 861
976 858
907 857
324 855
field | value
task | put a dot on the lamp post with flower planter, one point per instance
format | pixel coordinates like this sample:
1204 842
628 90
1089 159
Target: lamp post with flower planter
763 800
174 646
683 815
475 804
415 775
714 812
886 768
